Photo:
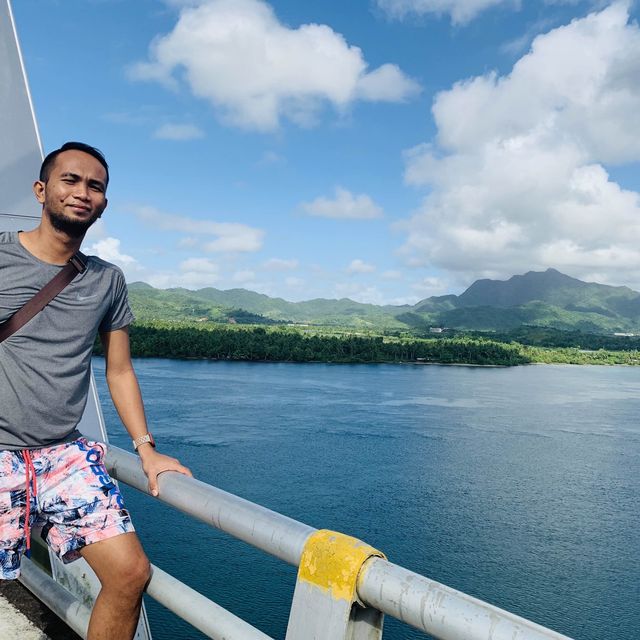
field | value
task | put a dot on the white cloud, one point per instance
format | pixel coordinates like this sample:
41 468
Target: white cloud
279 264
344 205
359 266
385 84
256 71
109 249
294 282
461 11
192 273
392 274
577 87
229 237
520 44
178 132
517 176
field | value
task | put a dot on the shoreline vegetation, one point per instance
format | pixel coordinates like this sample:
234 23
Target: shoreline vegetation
286 343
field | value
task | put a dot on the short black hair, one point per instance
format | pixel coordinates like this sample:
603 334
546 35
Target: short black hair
47 163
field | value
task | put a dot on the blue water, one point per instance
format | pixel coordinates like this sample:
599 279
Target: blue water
519 486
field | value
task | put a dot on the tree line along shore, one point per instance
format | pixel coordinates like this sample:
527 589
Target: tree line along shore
294 344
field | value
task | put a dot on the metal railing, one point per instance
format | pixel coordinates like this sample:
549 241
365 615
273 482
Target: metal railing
346 602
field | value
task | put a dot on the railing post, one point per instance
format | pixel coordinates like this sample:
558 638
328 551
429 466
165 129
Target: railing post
325 601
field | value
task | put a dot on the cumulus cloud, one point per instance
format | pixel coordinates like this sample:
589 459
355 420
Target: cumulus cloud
256 71
109 249
179 132
359 266
344 205
229 237
192 273
461 11
517 174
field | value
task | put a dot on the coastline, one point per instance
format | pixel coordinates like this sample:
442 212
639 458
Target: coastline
256 343
385 362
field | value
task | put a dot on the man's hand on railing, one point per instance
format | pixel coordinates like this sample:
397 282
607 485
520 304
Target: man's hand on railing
154 463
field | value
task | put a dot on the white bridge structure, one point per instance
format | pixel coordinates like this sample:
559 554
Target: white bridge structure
344 587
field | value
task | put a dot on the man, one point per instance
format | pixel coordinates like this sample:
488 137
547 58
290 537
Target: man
48 471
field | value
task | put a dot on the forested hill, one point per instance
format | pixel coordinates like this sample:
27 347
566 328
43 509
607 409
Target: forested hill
243 307
547 299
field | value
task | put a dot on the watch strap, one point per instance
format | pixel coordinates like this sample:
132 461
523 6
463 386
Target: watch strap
147 437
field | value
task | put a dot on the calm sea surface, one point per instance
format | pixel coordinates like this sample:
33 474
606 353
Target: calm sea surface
519 486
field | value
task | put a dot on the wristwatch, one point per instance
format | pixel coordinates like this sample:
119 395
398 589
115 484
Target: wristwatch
144 439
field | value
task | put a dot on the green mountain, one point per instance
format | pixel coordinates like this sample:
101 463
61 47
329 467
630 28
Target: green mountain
547 298
232 305
553 288
544 299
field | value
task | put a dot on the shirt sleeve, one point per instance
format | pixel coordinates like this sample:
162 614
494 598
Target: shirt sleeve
119 314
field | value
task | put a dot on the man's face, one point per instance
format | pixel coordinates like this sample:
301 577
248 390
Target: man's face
74 196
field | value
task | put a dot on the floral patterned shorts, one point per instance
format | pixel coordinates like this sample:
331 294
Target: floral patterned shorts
66 490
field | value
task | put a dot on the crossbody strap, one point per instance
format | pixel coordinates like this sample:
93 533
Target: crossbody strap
77 264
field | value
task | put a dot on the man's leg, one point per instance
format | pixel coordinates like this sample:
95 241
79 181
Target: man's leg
123 570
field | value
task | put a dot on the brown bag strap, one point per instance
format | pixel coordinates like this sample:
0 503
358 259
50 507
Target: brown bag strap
77 264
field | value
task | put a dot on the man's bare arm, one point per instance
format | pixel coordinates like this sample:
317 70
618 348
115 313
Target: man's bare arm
127 399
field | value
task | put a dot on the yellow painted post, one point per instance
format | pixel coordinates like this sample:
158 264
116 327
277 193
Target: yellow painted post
325 602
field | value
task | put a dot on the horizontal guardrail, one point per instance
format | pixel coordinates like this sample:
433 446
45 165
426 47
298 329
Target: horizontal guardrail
201 612
72 612
442 612
260 527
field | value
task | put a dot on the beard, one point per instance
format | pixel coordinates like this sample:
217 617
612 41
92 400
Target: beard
73 228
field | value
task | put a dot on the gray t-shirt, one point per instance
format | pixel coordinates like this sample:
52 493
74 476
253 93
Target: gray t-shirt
45 365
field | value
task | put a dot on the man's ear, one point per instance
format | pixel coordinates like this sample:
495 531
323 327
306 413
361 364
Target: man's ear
39 189
106 202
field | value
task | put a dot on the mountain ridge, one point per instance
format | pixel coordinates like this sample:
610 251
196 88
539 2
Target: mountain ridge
548 298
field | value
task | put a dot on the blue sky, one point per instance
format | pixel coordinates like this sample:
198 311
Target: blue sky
382 150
